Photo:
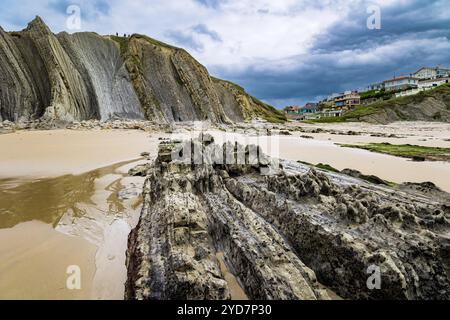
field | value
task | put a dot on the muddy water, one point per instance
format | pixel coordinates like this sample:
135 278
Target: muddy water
47 225
59 207
38 154
324 148
236 291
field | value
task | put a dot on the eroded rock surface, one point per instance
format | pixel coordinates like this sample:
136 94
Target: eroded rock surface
285 233
85 76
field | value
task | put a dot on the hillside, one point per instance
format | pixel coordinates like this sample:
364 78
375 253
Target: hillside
433 105
87 76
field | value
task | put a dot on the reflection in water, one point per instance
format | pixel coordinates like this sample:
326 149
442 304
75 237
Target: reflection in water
47 200
87 225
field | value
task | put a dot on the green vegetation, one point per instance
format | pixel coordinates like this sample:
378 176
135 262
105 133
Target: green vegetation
377 94
269 113
265 111
366 110
405 150
153 41
123 43
322 166
326 167
234 85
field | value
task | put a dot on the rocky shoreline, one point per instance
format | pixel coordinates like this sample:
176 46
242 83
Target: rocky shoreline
285 230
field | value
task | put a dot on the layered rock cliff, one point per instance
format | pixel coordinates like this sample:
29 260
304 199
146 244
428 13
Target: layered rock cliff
432 105
86 76
285 232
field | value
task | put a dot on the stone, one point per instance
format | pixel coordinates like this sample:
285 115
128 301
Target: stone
85 76
285 236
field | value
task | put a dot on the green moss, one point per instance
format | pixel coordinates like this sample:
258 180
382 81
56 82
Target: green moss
154 41
123 43
326 167
326 120
405 150
322 166
256 107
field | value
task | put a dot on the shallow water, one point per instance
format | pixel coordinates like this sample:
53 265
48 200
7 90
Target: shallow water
59 207
324 148
49 224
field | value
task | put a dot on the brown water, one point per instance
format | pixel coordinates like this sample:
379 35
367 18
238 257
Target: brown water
53 223
324 148
59 207
236 291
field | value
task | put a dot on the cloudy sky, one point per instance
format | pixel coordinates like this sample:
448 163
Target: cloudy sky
282 51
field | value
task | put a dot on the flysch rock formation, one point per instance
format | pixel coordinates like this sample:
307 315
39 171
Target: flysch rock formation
85 76
286 231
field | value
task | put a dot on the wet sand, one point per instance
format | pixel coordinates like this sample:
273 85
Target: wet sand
34 259
77 220
59 203
54 153
324 148
52 216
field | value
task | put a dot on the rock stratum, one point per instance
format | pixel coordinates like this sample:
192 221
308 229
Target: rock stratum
85 76
432 105
285 230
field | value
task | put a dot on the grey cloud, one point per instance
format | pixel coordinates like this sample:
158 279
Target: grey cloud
203 29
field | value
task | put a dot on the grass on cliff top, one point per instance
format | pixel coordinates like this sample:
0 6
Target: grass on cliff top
267 112
405 150
362 111
323 166
154 41
123 43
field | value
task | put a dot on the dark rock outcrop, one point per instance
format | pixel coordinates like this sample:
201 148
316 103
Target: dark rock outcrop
281 231
85 76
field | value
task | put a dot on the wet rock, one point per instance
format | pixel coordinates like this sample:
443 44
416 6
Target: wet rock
84 76
283 233
359 175
140 170
418 159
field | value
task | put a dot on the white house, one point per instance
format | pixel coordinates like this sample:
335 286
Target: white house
401 83
431 83
432 73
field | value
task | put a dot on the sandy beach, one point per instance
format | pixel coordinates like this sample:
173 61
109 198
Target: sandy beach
59 203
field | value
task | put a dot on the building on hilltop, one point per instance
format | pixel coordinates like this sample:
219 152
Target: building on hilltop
292 110
375 87
293 113
401 83
432 73
347 100
310 107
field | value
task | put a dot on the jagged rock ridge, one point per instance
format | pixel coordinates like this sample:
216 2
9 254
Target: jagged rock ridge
282 231
86 76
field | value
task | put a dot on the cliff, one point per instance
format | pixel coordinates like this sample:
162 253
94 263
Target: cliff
82 76
285 230
433 105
